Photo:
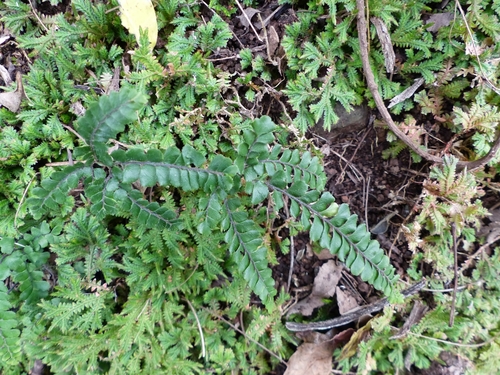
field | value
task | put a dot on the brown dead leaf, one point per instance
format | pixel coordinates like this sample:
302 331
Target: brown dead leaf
247 16
12 99
439 20
4 73
324 286
346 301
352 346
274 41
385 41
314 356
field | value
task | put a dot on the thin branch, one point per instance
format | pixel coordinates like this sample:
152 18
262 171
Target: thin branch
22 199
455 270
370 80
489 341
485 77
203 350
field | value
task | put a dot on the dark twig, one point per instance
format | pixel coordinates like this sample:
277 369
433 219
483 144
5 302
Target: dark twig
351 316
370 81
455 270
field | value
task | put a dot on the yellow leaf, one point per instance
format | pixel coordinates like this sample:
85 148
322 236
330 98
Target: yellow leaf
139 14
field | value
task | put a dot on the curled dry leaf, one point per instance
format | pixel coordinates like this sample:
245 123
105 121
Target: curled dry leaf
406 94
386 43
274 41
324 286
247 15
4 73
12 99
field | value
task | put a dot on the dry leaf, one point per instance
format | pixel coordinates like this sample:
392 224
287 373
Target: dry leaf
139 14
4 73
274 41
4 38
417 313
247 16
324 286
12 99
439 20
313 358
386 43
346 301
77 108
352 346
472 48
406 94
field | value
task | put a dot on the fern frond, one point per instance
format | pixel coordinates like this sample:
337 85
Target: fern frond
10 348
106 118
53 191
247 249
340 233
149 214
172 168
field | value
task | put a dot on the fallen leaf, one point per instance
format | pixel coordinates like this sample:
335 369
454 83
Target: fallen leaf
4 38
386 43
313 358
346 301
247 15
139 14
439 20
352 346
324 286
12 99
406 94
274 41
4 73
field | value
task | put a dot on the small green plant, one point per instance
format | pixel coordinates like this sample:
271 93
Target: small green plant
449 199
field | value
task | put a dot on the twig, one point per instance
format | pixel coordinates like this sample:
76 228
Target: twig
370 80
455 270
292 263
203 350
491 84
232 32
69 128
457 343
38 18
22 200
351 316
366 188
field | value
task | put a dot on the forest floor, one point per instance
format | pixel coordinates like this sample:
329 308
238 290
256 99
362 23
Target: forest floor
383 192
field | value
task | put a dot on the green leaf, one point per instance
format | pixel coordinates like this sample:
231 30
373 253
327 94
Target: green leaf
260 192
54 190
107 117
173 168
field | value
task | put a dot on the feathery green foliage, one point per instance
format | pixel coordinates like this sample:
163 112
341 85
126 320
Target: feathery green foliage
160 223
220 199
